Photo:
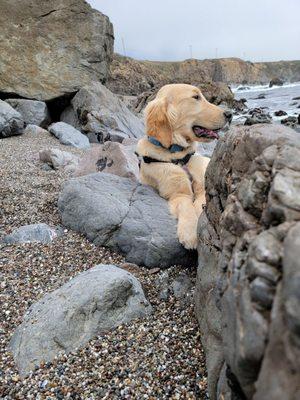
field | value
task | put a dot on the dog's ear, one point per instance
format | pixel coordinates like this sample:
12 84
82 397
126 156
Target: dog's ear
158 123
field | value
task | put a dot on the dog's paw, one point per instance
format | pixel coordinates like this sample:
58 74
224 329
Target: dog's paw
188 238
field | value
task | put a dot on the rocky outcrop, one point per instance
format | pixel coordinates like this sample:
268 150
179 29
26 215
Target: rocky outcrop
125 216
99 113
132 77
52 48
93 302
11 121
247 290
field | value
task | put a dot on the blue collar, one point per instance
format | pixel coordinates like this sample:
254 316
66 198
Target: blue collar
174 148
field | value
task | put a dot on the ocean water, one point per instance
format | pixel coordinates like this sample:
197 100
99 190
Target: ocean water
276 98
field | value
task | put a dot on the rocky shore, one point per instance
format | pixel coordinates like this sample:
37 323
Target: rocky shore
129 362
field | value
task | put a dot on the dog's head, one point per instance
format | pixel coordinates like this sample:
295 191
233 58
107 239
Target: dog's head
181 114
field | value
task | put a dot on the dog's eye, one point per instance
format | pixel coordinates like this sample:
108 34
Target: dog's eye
196 97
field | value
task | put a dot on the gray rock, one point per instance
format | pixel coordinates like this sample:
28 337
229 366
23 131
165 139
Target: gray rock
111 157
11 121
69 135
125 216
93 302
102 115
33 233
59 159
247 291
57 47
33 112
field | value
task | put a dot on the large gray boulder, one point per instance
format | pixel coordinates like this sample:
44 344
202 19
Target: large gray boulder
247 290
102 115
125 216
33 233
52 48
68 135
93 302
33 112
11 121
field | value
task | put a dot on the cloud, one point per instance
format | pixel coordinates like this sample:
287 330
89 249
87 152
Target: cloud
255 30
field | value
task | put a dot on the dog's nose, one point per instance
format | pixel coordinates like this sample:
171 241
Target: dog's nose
228 115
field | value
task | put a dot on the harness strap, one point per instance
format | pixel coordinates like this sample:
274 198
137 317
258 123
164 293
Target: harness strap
180 161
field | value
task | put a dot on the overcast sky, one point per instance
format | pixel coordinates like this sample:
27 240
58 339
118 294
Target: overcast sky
256 30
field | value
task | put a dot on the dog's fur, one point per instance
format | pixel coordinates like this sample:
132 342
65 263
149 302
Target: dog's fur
170 119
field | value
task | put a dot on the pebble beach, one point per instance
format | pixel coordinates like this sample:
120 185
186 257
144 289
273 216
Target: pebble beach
159 357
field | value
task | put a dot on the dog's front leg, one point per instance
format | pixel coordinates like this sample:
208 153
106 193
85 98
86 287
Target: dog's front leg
182 207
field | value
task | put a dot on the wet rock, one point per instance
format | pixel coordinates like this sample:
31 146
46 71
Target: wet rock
261 96
93 302
102 115
111 157
276 82
280 113
59 159
258 116
33 233
247 301
68 135
11 121
239 105
57 48
33 112
125 216
290 121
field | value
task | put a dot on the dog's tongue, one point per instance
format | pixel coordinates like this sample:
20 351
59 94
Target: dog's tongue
202 132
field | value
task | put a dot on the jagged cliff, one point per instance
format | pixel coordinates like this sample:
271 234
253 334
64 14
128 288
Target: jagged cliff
129 76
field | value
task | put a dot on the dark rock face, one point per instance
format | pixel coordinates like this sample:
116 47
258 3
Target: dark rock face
247 291
125 216
280 113
52 48
276 82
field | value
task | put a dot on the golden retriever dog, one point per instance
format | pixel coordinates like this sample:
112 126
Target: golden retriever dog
176 119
